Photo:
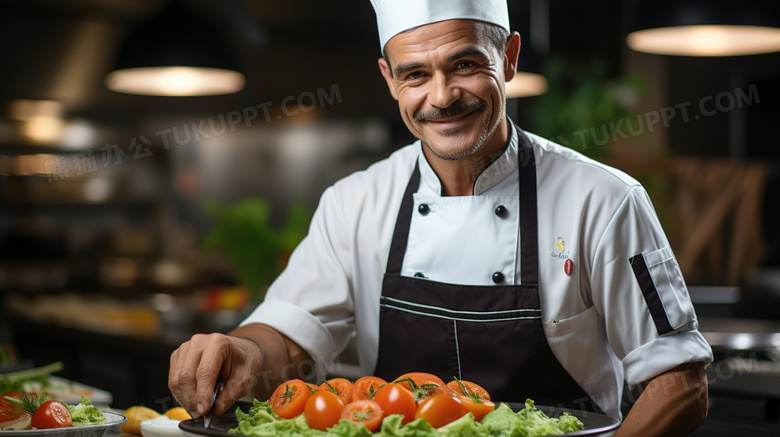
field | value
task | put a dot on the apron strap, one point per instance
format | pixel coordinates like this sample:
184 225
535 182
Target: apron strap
529 235
402 224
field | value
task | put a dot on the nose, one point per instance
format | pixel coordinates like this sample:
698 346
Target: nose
443 91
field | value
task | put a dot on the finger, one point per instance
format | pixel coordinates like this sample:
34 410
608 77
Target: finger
224 401
174 384
239 384
182 375
214 353
242 371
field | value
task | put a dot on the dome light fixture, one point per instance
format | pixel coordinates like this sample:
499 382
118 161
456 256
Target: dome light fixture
526 84
175 81
706 27
175 53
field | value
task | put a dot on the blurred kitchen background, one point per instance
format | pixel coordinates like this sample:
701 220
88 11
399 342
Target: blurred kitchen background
128 222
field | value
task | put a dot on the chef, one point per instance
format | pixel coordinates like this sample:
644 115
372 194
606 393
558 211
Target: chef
479 251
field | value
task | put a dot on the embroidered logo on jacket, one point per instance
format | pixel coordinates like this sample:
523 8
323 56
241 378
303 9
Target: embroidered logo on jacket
560 253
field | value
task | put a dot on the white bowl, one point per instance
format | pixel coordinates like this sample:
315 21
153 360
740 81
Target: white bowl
161 427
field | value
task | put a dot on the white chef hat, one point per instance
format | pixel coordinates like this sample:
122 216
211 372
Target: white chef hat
396 16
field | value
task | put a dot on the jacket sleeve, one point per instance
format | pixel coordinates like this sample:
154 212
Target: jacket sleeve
639 290
311 301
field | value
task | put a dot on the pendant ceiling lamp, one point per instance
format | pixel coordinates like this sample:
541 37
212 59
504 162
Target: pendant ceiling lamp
527 81
706 27
526 84
175 53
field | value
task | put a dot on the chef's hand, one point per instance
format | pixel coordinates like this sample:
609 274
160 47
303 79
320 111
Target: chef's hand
196 364
253 359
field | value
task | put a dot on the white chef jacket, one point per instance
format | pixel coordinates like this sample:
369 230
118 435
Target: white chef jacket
597 318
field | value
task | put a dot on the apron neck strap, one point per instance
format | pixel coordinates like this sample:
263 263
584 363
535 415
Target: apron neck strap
529 232
402 224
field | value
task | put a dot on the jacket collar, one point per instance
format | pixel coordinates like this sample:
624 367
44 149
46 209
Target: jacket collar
496 172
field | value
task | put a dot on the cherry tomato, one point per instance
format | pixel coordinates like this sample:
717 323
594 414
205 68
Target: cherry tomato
9 411
339 386
423 385
51 414
439 410
394 399
477 407
468 388
366 387
289 399
366 412
323 410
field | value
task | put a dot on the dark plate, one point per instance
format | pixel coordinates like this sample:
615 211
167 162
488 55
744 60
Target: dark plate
595 424
218 427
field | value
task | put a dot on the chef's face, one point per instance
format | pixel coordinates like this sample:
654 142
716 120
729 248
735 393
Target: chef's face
449 80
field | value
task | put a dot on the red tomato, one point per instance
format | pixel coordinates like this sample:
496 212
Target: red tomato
423 385
323 410
439 410
366 412
339 386
468 388
51 414
289 399
366 387
477 407
394 399
9 411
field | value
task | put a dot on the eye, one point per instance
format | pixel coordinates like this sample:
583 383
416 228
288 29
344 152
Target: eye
414 75
465 65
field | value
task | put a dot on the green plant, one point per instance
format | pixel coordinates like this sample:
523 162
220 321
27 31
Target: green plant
581 103
257 250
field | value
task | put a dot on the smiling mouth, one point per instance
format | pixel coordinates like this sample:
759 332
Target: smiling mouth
451 120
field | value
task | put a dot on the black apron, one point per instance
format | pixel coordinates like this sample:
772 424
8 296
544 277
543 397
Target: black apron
491 335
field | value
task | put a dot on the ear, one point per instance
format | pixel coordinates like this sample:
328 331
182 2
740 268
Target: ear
388 75
511 53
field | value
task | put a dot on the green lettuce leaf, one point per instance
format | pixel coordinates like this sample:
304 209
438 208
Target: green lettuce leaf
569 423
391 427
345 428
539 424
261 421
85 413
259 413
504 422
466 426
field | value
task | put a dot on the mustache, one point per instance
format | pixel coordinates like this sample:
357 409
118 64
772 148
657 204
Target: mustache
456 109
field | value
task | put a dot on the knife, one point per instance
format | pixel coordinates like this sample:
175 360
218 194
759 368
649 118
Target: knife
217 388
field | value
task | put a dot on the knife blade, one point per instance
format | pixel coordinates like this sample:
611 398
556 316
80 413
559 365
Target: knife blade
217 388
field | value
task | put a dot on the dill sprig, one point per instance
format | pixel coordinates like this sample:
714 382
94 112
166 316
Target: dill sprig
29 401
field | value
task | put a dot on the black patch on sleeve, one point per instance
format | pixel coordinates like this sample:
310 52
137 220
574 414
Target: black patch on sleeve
650 293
